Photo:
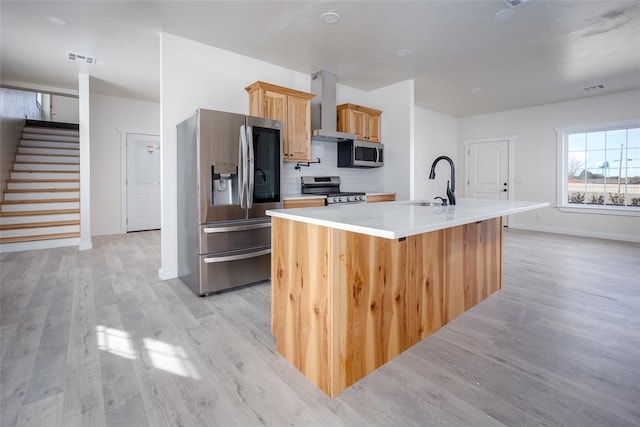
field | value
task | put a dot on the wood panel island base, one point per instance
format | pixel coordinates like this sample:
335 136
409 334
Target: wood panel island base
344 302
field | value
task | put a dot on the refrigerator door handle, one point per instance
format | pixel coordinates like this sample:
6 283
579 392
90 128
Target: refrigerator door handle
241 167
210 230
250 167
237 257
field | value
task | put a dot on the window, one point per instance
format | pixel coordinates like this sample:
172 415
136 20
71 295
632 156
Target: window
599 168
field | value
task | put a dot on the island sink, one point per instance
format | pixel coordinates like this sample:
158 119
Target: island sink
430 204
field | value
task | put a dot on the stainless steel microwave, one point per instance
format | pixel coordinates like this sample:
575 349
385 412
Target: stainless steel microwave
360 154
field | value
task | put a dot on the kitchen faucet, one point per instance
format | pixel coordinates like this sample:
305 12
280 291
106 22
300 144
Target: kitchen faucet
450 190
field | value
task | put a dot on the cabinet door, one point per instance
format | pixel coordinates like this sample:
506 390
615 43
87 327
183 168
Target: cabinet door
298 135
275 107
358 124
373 128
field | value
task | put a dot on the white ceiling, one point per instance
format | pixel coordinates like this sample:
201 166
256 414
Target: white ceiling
463 61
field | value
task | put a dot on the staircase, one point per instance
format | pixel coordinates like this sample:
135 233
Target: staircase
41 204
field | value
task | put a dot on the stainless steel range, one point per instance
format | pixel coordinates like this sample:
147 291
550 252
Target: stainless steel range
330 186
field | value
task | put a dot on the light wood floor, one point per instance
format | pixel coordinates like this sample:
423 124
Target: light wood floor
94 338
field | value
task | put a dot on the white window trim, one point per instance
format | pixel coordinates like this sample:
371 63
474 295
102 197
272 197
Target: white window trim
561 170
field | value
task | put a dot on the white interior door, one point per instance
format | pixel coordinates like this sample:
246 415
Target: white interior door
488 170
143 182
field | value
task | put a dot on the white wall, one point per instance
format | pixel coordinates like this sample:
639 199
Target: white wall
15 106
535 159
398 117
111 118
64 109
436 135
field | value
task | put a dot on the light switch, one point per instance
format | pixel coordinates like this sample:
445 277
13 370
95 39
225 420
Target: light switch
519 180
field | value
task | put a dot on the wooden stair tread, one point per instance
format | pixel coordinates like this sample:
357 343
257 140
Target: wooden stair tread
43 190
46 148
45 171
38 237
41 212
33 181
18 202
47 155
39 224
44 163
26 142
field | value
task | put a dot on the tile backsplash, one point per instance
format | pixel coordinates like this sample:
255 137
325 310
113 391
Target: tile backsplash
353 179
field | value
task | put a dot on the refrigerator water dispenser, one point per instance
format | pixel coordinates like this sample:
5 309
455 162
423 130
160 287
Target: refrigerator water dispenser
223 184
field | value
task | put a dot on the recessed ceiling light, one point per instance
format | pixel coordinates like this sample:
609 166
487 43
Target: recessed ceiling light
330 17
504 14
56 20
402 52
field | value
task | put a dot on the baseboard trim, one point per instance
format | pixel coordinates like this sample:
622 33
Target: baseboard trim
85 246
581 233
167 274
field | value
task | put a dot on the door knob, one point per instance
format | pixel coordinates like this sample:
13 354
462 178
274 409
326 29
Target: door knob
504 184
504 191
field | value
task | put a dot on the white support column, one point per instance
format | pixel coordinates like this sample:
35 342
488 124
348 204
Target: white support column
84 94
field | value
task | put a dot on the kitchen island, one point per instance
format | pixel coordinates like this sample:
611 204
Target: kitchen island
355 285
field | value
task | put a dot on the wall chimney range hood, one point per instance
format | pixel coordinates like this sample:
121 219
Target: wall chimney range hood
324 116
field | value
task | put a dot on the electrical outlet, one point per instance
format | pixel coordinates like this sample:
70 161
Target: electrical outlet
539 215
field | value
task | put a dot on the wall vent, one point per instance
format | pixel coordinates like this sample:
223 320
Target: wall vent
78 57
594 87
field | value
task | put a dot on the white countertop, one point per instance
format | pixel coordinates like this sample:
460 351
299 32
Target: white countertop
394 220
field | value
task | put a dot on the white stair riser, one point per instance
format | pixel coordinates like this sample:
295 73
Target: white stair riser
37 231
44 137
50 131
46 159
21 207
45 175
39 244
59 151
43 195
38 218
42 185
44 167
52 144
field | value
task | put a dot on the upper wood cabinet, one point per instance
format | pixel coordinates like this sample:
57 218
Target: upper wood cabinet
363 121
293 108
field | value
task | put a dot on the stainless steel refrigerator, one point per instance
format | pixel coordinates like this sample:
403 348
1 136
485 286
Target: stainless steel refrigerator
229 168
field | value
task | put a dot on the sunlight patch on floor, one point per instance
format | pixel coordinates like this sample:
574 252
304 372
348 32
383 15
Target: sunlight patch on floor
170 358
115 342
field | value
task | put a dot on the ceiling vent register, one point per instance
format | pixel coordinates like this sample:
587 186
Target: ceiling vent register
515 3
78 57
